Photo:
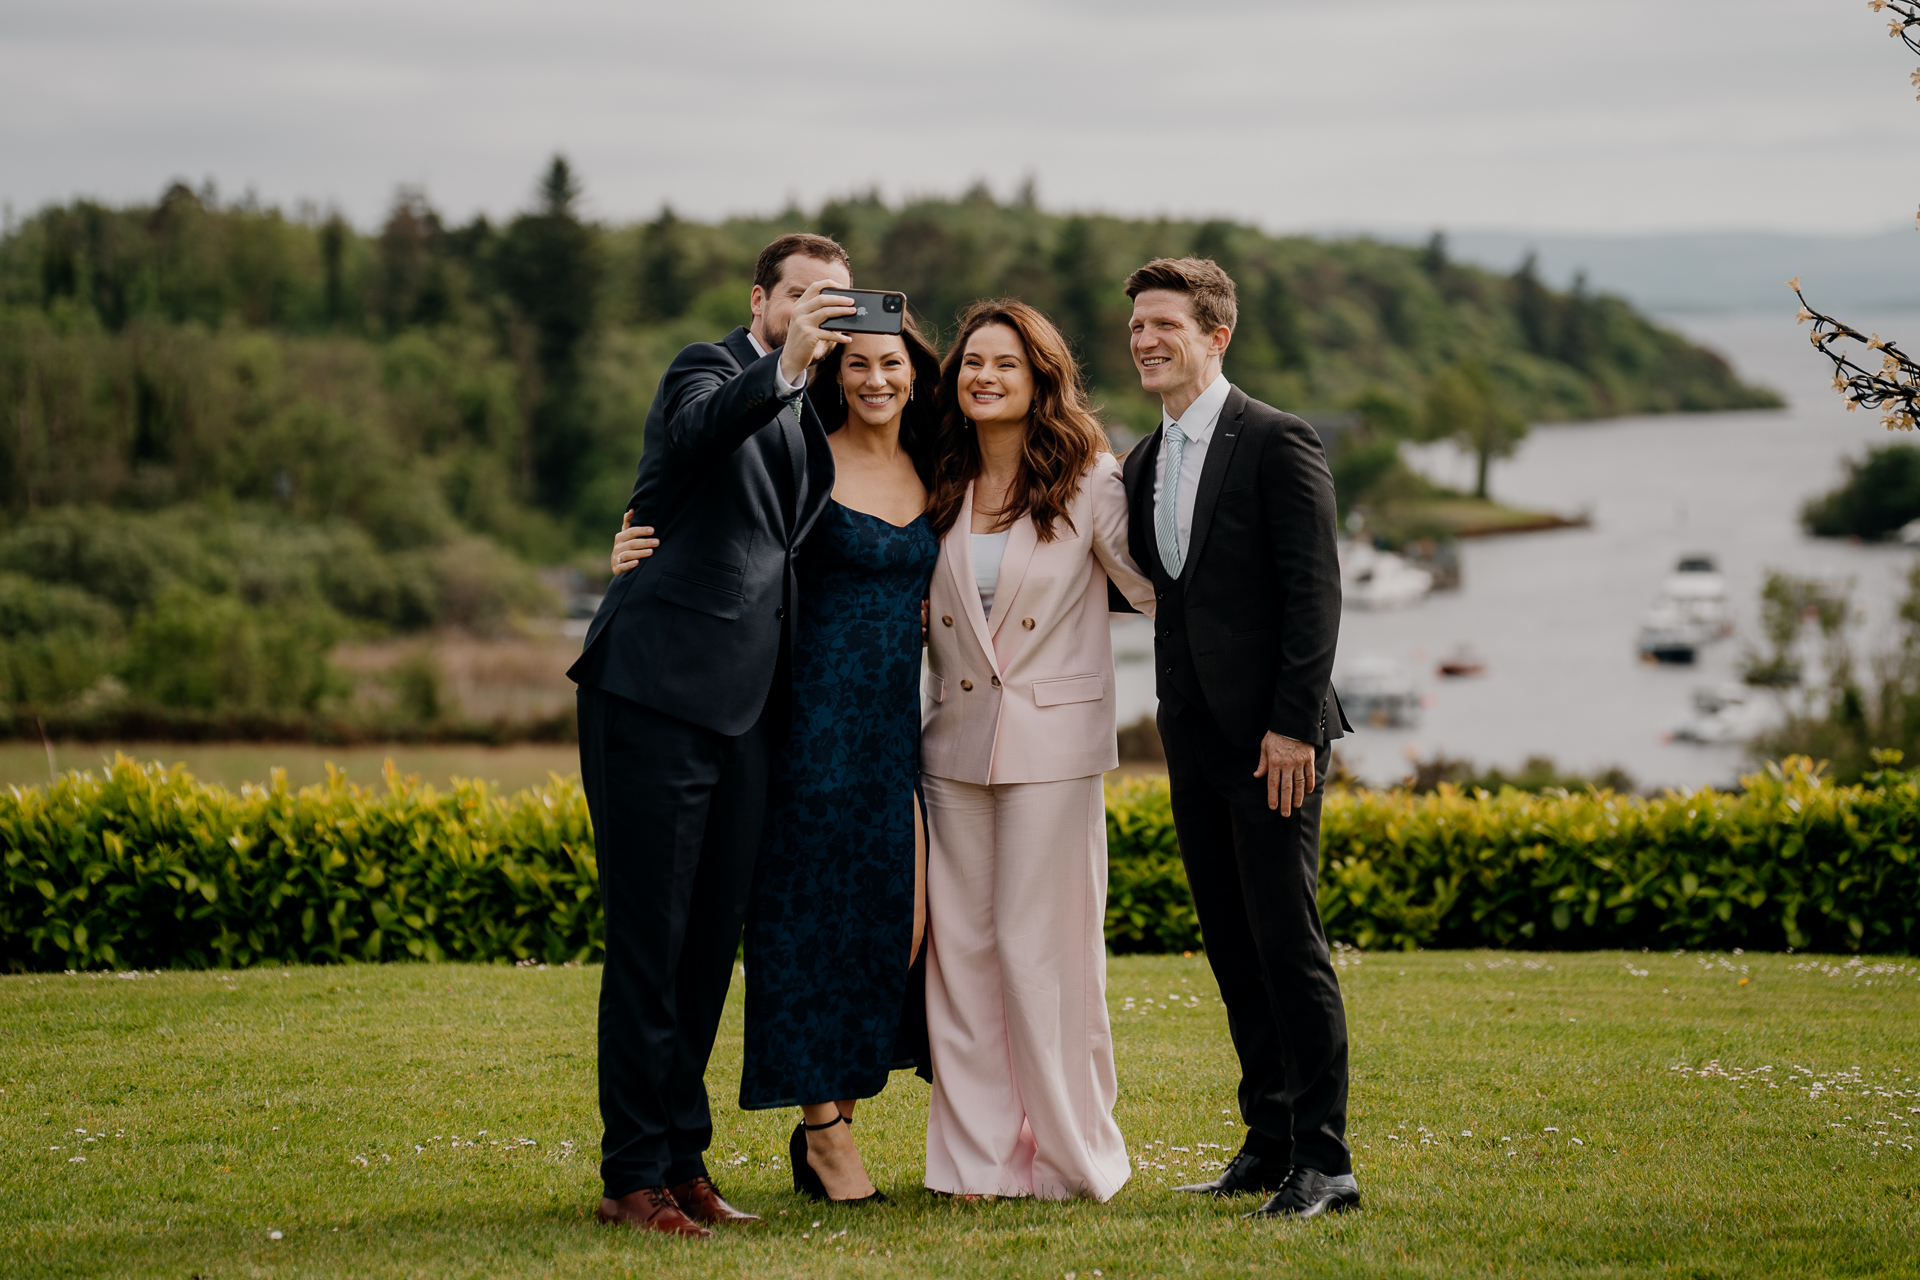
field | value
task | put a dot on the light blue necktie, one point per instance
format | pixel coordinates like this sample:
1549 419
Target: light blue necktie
1166 515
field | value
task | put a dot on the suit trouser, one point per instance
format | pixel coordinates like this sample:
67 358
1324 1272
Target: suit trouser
1023 1080
1255 879
676 815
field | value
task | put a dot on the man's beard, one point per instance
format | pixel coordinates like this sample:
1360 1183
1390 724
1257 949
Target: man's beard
776 339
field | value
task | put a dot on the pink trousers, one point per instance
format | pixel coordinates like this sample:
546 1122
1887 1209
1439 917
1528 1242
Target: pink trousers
1023 1080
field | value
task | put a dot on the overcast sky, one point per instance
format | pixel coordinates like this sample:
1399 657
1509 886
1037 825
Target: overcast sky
1544 115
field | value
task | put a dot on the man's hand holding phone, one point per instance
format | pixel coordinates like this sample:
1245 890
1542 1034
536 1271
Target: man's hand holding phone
806 340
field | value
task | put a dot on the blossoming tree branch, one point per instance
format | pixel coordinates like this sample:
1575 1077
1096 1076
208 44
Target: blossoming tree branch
1893 389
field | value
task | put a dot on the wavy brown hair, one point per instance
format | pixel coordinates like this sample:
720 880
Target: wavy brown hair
919 422
1063 436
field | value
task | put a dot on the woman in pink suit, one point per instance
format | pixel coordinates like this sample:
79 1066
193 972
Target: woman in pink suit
1019 728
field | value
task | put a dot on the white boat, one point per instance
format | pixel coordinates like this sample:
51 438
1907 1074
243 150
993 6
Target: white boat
1690 613
1379 692
1701 594
1375 579
1727 714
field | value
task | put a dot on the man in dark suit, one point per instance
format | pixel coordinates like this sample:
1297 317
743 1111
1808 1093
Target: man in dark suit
683 683
1232 517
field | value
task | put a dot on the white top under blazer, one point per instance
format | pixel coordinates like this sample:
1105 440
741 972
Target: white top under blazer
1026 694
989 549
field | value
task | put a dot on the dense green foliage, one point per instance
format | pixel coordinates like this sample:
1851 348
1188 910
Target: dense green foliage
1856 716
145 868
1537 774
234 436
187 611
1880 494
494 377
1792 861
141 867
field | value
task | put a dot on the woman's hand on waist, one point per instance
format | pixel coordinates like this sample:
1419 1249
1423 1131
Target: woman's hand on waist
631 545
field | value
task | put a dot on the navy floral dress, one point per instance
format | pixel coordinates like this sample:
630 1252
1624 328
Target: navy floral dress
831 920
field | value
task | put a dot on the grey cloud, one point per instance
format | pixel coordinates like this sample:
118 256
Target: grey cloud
1572 116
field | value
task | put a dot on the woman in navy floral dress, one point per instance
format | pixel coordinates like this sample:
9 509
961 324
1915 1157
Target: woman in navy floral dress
835 926
832 927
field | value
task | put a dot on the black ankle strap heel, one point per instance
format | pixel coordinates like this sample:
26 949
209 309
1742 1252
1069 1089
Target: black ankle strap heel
806 1180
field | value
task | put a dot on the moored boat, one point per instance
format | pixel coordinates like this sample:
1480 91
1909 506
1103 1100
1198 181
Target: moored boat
1375 579
1689 614
1380 692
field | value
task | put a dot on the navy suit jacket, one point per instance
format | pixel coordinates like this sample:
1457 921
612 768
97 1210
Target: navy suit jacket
731 480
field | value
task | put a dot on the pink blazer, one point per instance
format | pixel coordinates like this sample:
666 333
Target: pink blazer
1028 696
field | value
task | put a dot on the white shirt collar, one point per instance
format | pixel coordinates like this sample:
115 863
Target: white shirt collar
1196 424
757 348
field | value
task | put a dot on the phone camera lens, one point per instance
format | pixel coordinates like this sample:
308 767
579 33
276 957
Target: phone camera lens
893 302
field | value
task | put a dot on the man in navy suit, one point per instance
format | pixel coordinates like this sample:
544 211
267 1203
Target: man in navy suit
1232 517
683 685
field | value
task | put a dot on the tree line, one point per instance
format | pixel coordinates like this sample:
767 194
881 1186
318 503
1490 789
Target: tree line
498 372
235 436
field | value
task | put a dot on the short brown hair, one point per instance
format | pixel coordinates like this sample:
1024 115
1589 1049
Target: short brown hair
1209 289
797 244
1063 436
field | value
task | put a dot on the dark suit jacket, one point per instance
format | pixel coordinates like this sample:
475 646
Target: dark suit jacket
732 482
1262 577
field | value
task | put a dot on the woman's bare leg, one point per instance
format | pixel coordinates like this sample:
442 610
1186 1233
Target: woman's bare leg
919 882
832 1153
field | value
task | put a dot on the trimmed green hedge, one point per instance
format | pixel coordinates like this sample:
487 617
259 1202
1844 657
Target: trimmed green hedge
1791 861
143 867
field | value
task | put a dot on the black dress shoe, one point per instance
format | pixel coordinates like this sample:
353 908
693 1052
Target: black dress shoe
1244 1173
1308 1193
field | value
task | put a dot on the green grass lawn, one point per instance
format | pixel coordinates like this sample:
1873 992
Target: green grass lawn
1531 1114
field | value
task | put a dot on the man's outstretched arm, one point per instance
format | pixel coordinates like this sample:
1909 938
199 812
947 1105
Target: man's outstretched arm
711 411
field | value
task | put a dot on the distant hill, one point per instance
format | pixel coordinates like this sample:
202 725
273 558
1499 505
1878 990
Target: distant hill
1718 271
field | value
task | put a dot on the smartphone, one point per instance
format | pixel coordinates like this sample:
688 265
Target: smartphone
881 311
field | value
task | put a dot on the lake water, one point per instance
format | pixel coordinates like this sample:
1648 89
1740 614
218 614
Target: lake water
1555 615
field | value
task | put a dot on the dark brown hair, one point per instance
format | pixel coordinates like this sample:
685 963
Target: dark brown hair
1063 436
1209 289
920 421
802 244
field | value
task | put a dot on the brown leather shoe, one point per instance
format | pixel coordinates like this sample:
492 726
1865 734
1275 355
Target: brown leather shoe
650 1209
700 1200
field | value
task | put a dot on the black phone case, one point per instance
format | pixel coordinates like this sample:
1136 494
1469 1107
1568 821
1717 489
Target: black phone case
874 317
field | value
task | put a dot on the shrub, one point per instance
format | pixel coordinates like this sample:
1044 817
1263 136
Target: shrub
129 558
1539 773
1881 493
1793 861
55 641
142 866
202 652
1149 907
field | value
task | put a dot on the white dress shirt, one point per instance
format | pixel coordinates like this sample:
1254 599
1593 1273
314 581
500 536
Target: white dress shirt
1196 424
792 388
